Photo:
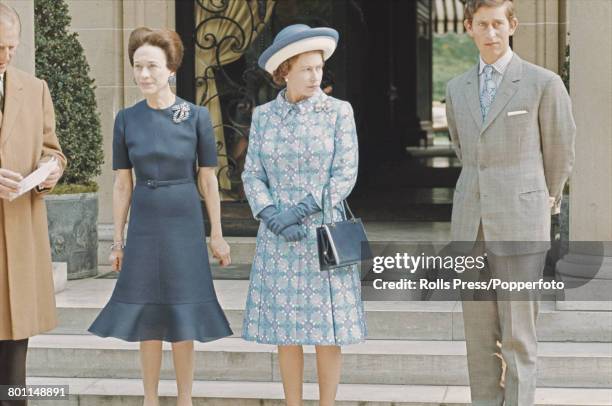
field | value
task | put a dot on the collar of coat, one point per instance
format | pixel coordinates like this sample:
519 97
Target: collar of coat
506 89
13 97
317 103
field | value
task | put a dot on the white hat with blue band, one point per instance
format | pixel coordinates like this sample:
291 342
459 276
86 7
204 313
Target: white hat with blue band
296 39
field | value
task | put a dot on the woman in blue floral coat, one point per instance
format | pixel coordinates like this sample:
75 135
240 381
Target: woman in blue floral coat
302 147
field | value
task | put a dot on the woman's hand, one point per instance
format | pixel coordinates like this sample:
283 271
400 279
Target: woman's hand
282 220
294 233
116 259
220 250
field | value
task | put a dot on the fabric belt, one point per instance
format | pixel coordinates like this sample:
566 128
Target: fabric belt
154 183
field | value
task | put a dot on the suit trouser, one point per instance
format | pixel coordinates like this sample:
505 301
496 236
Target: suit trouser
496 317
13 366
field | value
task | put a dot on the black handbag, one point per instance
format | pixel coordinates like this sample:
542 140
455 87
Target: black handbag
342 243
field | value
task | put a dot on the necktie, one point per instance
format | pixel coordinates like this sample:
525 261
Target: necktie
487 93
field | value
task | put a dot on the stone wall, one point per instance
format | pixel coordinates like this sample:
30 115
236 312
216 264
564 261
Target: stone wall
104 27
542 32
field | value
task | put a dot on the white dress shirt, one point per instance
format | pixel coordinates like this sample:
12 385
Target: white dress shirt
499 67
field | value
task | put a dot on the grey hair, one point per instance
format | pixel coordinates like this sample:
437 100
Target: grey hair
8 15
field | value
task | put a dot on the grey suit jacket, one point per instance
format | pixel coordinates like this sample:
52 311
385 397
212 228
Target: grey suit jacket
512 163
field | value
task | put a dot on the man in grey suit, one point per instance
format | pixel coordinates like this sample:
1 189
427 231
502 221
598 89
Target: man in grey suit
512 128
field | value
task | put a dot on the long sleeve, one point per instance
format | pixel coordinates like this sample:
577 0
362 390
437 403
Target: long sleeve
450 119
558 133
51 147
254 177
345 159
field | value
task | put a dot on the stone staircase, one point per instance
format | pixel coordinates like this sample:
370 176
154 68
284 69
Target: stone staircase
415 355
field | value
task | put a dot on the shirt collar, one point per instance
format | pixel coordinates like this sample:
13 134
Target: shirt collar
314 102
500 65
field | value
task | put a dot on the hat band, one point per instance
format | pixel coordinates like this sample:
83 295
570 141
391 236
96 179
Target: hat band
323 43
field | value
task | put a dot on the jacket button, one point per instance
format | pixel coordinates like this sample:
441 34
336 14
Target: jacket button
483 167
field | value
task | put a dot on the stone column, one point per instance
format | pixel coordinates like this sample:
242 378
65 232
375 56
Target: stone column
590 185
104 36
24 58
539 38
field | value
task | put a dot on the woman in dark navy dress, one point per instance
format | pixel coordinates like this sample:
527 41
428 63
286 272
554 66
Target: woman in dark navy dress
165 290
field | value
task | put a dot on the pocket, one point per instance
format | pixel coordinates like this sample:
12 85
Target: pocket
534 194
517 123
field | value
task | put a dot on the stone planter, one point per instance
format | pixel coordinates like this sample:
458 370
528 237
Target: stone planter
73 232
60 276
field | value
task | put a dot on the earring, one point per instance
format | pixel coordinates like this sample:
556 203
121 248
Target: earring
172 80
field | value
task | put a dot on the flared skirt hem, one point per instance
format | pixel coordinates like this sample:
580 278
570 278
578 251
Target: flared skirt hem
203 322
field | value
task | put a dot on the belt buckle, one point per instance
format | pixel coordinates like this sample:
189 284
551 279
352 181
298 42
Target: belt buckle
152 183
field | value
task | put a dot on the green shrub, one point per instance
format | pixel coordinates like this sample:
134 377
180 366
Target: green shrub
60 61
64 189
453 54
565 69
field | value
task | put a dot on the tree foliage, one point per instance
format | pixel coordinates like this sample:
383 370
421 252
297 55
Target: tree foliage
60 61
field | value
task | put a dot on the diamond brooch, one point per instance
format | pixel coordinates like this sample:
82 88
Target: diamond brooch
180 112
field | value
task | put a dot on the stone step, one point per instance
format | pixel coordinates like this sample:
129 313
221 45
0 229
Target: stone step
128 392
82 300
397 362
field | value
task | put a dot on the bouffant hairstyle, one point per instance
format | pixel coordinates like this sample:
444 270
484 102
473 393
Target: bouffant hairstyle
168 40
472 6
283 69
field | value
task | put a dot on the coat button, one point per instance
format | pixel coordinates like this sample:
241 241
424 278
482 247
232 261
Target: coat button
483 167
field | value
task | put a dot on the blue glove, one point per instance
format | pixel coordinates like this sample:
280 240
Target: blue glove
294 215
294 232
268 213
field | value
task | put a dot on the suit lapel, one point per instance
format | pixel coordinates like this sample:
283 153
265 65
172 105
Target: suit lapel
507 88
472 96
13 97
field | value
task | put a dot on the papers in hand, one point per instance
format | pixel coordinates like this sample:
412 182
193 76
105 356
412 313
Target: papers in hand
35 178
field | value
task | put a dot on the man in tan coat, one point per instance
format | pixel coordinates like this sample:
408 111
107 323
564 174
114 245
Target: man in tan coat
511 125
27 139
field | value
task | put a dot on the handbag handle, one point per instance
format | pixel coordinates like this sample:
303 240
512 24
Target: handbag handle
345 208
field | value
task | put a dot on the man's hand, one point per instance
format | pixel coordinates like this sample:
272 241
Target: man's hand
53 177
9 183
555 207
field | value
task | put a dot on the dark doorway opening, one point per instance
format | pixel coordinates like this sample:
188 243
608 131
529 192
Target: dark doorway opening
383 66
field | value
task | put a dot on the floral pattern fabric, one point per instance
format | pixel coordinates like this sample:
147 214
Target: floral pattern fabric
296 149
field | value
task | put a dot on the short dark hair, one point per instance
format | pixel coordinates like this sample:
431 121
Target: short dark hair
169 41
472 6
